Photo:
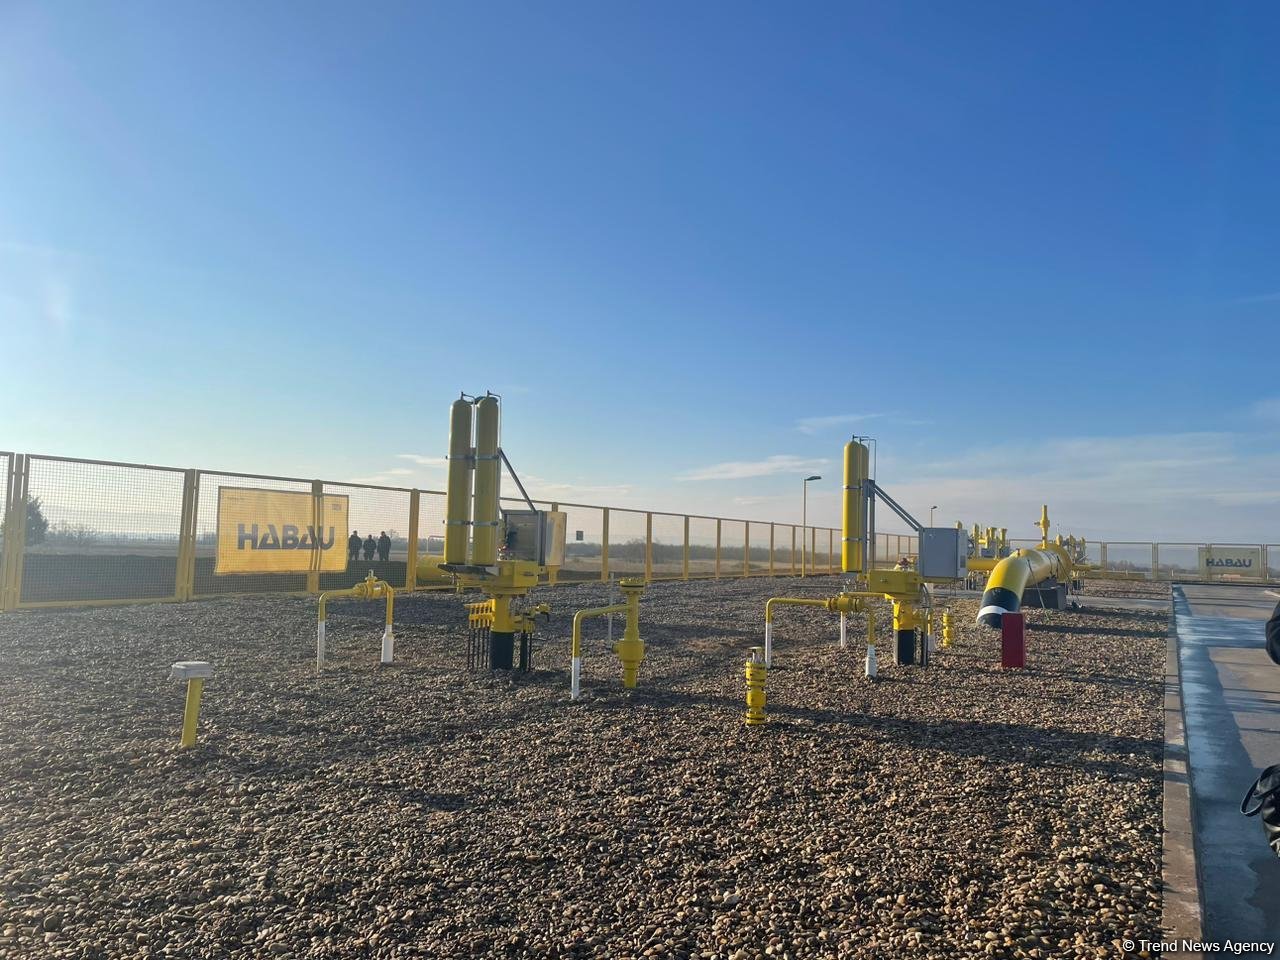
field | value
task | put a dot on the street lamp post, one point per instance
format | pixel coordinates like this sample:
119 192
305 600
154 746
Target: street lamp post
931 509
804 521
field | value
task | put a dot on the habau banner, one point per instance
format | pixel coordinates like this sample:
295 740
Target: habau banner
275 531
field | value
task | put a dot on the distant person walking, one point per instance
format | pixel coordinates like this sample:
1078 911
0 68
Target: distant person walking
353 545
384 547
370 545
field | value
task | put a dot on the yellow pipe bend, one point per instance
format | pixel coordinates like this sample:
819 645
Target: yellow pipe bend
1014 574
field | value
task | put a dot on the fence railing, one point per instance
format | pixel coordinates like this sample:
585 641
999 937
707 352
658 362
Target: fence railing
93 532
90 532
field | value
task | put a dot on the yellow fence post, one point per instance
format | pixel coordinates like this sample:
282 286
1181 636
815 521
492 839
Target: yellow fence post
746 548
771 549
717 549
684 563
317 511
411 569
184 577
15 537
6 521
648 547
604 547
1102 556
793 549
831 551
1155 561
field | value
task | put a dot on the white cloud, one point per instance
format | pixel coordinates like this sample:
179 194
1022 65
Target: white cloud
542 489
1184 486
813 425
1267 409
423 460
746 469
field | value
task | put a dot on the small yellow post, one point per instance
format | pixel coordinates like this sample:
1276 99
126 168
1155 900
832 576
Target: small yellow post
948 629
756 673
195 672
191 713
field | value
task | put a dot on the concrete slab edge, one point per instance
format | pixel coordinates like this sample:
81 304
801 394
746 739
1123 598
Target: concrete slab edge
1181 910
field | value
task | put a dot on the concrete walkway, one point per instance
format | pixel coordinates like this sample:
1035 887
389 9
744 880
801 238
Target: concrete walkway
1231 706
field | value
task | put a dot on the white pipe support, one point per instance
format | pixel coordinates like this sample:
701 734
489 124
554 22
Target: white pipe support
844 629
768 643
575 682
388 645
319 645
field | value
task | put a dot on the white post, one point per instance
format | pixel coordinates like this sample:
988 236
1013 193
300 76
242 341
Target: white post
871 668
319 645
388 645
575 683
844 627
768 643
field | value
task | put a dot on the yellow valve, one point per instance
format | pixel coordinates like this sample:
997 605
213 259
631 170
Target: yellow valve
630 649
756 673
905 616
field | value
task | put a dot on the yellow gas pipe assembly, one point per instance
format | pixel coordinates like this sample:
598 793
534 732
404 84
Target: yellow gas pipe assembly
630 649
366 589
1025 568
843 604
505 553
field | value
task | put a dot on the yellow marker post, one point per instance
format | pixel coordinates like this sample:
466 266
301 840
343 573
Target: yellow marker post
756 673
195 672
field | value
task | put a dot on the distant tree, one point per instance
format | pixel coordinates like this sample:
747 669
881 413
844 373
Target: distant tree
37 525
77 535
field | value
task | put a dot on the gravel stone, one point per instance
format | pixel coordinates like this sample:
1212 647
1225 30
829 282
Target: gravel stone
419 810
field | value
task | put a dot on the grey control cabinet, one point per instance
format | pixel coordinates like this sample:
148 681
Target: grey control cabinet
944 553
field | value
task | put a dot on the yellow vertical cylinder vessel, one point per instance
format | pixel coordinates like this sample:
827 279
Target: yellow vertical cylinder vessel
856 462
458 495
484 519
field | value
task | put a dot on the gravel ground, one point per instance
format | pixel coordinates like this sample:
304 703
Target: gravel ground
1125 588
418 810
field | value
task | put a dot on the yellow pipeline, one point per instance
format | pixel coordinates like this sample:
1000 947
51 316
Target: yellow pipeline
484 521
366 589
856 463
842 603
630 649
1014 574
458 495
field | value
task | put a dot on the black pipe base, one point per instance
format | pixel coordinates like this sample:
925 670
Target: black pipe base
501 650
906 648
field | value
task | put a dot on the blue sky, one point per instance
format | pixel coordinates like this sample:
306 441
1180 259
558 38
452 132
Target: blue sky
1032 248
